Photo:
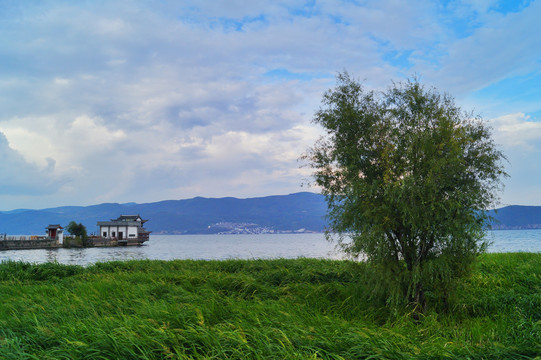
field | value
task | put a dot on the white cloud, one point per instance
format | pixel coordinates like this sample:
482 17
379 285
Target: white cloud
500 47
32 138
89 132
517 130
61 81
112 27
141 101
69 142
18 177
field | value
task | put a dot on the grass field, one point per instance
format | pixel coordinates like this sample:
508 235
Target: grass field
259 309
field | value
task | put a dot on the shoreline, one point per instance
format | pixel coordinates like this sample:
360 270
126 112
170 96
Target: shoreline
34 242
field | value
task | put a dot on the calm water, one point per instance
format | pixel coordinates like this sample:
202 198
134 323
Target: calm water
219 247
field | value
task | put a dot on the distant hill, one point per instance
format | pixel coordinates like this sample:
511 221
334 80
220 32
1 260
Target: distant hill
517 217
283 213
299 212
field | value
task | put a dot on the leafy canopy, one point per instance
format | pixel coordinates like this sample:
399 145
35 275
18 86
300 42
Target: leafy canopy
78 230
407 176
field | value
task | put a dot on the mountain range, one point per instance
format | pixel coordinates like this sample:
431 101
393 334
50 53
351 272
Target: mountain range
299 212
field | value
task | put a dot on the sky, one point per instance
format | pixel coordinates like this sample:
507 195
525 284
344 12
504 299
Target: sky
142 101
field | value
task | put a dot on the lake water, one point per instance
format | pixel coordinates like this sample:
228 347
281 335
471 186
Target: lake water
219 247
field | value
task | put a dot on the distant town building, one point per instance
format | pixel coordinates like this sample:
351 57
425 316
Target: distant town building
55 231
126 227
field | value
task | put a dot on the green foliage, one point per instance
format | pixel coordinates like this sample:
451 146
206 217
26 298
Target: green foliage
408 176
79 231
260 309
19 271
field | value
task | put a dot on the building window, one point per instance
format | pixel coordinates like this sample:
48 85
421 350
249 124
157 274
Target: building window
105 234
113 234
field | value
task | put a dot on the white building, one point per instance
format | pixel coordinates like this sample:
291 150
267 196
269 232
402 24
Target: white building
125 228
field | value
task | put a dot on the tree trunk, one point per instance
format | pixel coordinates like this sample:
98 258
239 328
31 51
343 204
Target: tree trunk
419 301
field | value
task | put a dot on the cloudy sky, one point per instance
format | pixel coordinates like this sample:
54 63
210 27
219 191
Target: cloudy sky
141 101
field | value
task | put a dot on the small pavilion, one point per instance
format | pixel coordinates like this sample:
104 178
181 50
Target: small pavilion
55 231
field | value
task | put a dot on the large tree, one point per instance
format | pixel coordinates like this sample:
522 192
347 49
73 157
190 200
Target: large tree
407 176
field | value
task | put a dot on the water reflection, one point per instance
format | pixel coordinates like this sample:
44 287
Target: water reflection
50 255
219 247
206 247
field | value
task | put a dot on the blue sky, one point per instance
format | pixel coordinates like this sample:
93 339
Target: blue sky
141 101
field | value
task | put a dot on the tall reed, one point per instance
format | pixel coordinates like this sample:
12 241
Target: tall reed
260 309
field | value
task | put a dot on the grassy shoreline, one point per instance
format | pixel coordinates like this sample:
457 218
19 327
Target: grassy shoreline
259 309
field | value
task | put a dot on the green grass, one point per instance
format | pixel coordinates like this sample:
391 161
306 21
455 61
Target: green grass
259 309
